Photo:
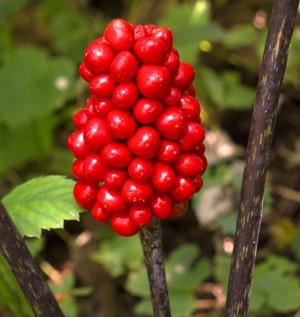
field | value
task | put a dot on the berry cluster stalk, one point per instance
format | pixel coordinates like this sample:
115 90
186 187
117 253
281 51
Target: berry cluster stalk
27 273
150 237
257 156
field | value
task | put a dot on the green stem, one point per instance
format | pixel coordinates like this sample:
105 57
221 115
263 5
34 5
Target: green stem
257 156
26 271
150 237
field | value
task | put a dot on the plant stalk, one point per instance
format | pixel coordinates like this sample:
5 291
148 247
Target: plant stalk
26 271
257 156
151 241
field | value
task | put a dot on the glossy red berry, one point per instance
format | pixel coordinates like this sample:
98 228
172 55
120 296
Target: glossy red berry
183 189
123 67
135 192
121 123
193 135
183 77
171 123
149 50
139 31
144 142
94 167
97 57
85 194
97 134
123 225
163 177
77 144
115 178
140 169
102 106
172 99
188 164
147 110
100 214
168 151
125 95
85 73
198 181
116 155
140 214
118 34
80 119
161 205
103 85
111 200
165 36
190 106
153 81
79 172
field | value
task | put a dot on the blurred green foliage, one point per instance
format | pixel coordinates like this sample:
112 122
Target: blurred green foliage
41 45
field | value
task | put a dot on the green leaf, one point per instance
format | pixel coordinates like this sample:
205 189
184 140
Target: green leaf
28 141
297 315
222 268
240 36
42 203
12 299
137 283
33 84
118 255
9 7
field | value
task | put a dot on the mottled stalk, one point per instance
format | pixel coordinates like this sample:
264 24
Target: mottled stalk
26 271
150 237
257 156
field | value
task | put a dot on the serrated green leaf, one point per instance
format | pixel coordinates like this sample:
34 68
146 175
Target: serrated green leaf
42 203
33 84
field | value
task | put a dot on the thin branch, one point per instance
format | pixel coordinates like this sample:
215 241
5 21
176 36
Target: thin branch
26 271
257 156
150 237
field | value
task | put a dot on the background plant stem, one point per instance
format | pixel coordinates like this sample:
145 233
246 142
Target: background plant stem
257 156
26 271
150 237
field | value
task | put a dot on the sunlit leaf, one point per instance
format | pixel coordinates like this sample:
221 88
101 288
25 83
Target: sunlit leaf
42 203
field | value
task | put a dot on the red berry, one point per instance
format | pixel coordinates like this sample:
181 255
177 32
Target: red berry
121 123
118 34
85 73
190 106
77 144
199 149
163 177
140 169
102 85
140 214
116 155
183 189
89 108
144 142
97 134
79 172
85 194
193 135
153 81
80 119
97 57
123 67
111 200
164 35
94 167
102 106
191 91
125 95
172 99
169 151
115 178
161 205
135 192
123 225
171 123
149 50
147 110
139 31
171 62
150 28
198 181
183 77
188 164
100 214
204 160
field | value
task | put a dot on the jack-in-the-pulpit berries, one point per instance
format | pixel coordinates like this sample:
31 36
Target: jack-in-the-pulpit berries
138 146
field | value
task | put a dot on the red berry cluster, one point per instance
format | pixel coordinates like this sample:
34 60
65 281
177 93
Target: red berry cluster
139 142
